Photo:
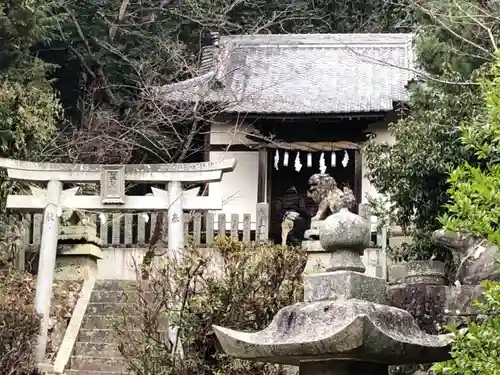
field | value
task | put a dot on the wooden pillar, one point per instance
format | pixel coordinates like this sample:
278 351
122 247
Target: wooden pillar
206 145
262 183
358 177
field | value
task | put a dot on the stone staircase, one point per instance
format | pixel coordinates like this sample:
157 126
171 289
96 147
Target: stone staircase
96 349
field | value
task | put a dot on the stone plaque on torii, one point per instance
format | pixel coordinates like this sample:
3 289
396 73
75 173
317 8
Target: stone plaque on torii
112 180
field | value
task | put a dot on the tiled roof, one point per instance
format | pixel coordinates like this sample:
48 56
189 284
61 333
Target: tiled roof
302 73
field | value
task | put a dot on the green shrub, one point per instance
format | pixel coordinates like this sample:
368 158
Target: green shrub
476 349
474 205
474 208
245 293
19 323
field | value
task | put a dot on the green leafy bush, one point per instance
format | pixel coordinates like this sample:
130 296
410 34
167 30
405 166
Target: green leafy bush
476 349
28 115
475 208
243 289
19 323
474 205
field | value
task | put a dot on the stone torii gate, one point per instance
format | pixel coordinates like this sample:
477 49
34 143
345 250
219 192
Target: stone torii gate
112 180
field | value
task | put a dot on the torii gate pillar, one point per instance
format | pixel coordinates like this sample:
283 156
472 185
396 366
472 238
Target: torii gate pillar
47 260
175 218
112 180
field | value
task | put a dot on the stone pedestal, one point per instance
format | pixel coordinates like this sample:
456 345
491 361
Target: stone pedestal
317 258
76 262
78 250
425 272
397 273
78 233
344 285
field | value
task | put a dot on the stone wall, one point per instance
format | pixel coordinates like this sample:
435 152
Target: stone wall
120 263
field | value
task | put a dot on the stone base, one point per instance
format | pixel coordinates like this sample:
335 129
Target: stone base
342 368
425 272
80 232
344 285
448 302
342 260
396 273
76 262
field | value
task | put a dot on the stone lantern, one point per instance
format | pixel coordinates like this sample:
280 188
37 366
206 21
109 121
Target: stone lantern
343 326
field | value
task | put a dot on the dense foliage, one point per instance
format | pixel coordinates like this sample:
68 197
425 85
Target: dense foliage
475 349
413 172
475 208
475 200
29 109
242 288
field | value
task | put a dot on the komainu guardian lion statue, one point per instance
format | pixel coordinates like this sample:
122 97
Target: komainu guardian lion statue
323 190
330 199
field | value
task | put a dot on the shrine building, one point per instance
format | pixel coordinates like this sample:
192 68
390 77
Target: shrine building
293 104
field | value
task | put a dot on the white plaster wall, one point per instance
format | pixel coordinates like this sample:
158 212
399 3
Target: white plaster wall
119 263
382 135
238 189
227 133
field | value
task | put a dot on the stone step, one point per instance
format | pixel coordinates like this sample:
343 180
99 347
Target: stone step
87 372
119 285
106 308
119 296
100 321
90 349
109 321
107 336
108 285
97 336
98 363
113 296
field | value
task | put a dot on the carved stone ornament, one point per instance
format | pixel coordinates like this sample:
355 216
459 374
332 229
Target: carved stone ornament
113 184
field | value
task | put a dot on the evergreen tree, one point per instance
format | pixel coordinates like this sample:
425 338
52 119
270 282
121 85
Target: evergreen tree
474 207
29 108
413 173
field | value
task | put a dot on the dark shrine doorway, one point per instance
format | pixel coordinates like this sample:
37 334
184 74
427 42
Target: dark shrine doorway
322 133
286 176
